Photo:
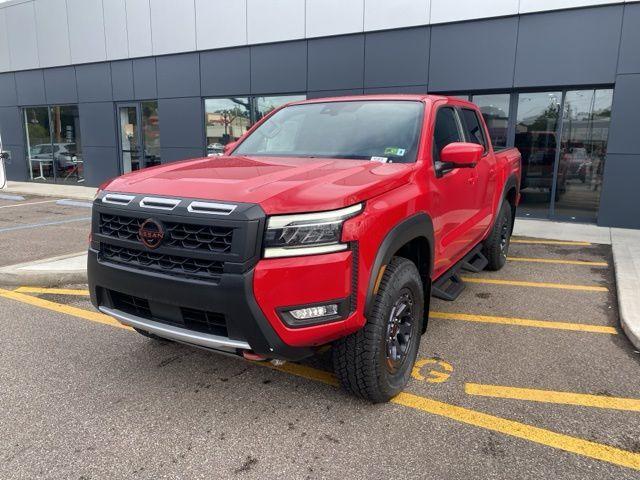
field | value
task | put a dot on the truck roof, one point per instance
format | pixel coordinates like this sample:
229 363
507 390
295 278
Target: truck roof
394 96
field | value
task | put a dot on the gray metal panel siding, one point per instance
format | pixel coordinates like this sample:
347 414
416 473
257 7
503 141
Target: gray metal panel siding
172 154
400 89
60 85
624 133
475 55
336 63
30 87
100 163
574 47
225 72
181 122
8 94
17 167
620 202
144 78
399 57
97 124
178 75
12 128
94 82
279 68
630 46
335 93
122 80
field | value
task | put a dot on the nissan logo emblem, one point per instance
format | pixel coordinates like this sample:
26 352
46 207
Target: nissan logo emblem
151 233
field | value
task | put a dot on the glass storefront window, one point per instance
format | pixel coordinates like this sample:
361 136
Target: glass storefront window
54 147
537 139
265 105
139 135
495 110
226 119
151 133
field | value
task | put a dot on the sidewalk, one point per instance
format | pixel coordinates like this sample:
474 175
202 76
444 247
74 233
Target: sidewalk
50 190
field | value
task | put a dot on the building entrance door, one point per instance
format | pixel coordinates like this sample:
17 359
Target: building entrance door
139 135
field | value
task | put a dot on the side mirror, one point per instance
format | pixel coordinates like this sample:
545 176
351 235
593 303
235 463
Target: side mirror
228 148
459 155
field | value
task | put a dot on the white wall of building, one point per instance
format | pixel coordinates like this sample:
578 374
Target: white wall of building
47 33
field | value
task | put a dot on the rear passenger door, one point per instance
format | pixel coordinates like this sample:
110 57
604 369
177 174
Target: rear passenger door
453 197
485 172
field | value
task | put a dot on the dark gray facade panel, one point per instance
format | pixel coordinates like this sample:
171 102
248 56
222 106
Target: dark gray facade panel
336 63
30 87
630 43
279 68
170 154
475 55
144 78
620 200
60 85
624 131
12 126
397 57
225 72
122 80
178 75
573 47
100 164
97 124
181 122
335 93
18 167
8 94
94 82
401 89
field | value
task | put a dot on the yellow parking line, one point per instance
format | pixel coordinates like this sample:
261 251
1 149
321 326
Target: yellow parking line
516 283
550 396
52 291
60 308
550 242
557 261
525 322
523 431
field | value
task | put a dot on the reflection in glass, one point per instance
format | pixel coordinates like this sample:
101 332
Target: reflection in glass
53 144
139 135
151 133
585 129
226 119
129 138
265 105
536 138
495 110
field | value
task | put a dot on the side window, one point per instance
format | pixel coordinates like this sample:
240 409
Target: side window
446 131
473 128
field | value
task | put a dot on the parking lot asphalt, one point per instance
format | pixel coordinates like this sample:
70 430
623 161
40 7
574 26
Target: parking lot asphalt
526 375
40 227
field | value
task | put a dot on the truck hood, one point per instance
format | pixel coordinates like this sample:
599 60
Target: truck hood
279 185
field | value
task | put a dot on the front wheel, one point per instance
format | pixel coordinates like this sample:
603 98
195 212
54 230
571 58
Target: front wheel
496 246
375 363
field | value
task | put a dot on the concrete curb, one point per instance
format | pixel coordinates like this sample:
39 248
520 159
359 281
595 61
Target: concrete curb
51 190
50 272
626 259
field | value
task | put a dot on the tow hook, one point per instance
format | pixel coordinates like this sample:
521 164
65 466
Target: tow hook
249 355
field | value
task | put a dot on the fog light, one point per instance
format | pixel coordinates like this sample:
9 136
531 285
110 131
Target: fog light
315 312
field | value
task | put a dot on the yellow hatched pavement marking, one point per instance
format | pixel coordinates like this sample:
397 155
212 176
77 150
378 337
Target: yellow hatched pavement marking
550 396
557 261
524 322
516 283
53 291
550 242
60 308
524 431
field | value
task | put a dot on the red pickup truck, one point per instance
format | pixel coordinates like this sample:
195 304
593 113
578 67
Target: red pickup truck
330 222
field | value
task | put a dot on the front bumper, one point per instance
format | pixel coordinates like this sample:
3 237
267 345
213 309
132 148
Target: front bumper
233 297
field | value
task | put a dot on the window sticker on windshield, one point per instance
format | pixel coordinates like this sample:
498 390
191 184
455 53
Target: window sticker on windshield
379 159
395 151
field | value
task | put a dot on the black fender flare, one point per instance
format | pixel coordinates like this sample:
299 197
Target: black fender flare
512 182
416 226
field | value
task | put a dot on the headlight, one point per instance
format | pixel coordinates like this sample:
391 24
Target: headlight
307 233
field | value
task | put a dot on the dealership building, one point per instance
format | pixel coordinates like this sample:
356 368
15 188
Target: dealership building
90 89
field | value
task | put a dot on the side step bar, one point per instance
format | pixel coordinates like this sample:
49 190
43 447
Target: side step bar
449 286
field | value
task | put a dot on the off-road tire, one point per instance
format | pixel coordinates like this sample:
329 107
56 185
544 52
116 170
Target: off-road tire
496 246
360 360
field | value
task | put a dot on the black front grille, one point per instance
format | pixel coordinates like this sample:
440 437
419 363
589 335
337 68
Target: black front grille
130 304
157 262
205 322
187 236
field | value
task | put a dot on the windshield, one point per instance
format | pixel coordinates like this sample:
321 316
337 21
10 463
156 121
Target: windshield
382 131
